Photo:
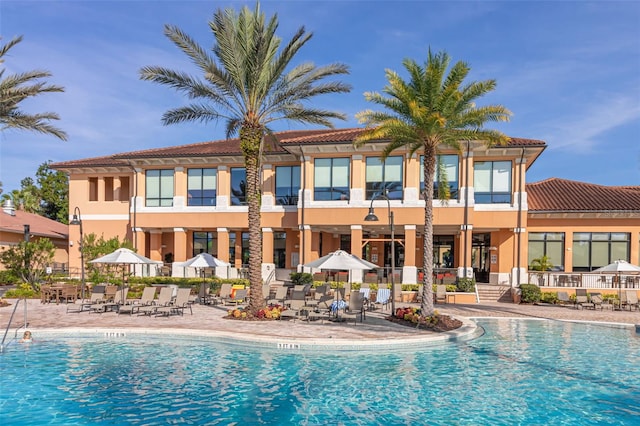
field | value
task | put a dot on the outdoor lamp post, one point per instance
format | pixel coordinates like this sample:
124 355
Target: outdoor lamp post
77 220
371 217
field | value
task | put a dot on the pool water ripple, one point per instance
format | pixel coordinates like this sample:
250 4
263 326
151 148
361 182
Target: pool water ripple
519 372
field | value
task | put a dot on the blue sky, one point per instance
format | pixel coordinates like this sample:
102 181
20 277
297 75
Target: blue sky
569 71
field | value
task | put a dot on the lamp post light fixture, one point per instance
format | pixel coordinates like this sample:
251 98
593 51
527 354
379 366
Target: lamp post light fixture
371 217
77 220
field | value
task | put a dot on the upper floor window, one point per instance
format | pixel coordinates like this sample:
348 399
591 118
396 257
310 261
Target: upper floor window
201 187
331 179
446 170
238 186
492 182
159 184
287 185
384 177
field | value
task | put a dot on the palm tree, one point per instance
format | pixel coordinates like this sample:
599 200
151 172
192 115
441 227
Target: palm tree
15 88
430 111
246 85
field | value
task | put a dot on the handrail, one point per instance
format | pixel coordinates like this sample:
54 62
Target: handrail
15 307
271 276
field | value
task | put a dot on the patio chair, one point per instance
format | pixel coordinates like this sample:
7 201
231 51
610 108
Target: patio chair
383 298
295 308
164 299
355 308
322 310
582 300
118 299
178 305
564 299
223 294
69 293
598 301
279 296
110 293
632 299
148 295
97 296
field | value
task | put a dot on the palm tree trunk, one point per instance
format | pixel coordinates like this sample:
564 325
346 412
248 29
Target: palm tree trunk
250 141
429 163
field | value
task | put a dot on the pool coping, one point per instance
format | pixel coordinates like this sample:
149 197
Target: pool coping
468 331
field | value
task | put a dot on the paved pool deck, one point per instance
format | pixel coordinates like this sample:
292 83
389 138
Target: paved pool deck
374 330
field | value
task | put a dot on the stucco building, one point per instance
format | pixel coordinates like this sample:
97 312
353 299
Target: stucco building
175 202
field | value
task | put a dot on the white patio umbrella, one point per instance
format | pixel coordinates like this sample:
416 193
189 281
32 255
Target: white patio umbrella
619 267
125 257
341 260
202 261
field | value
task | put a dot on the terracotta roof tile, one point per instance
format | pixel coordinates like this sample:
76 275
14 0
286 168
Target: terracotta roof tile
556 194
39 225
232 147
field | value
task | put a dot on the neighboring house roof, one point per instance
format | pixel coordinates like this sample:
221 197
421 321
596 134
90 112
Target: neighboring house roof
232 147
39 225
562 195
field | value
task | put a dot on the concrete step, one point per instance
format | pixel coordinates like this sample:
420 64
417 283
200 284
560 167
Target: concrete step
494 293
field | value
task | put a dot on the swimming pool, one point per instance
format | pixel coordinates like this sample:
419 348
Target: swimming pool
519 372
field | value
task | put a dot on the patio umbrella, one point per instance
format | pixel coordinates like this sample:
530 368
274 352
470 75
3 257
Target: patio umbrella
203 260
341 260
125 257
619 267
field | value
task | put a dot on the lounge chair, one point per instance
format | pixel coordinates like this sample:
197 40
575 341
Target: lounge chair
322 310
355 308
119 299
164 299
178 305
383 297
582 300
237 297
279 297
632 299
441 294
110 293
148 295
598 302
564 299
97 296
223 294
295 308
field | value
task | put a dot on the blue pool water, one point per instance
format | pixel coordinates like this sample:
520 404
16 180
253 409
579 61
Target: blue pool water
523 372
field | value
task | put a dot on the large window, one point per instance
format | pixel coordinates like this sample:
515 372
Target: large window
384 177
238 186
446 170
205 242
550 244
592 250
331 179
492 182
201 187
159 184
287 185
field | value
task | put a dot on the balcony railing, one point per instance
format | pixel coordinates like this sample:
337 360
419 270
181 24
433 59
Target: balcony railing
584 280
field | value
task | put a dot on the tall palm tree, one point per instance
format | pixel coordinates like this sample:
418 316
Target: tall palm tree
15 88
246 84
429 111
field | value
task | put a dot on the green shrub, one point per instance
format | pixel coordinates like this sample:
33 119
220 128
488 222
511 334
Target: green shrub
23 291
467 285
530 293
301 278
8 277
410 287
548 297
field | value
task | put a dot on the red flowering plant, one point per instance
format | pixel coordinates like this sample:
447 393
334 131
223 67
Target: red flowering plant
413 317
268 313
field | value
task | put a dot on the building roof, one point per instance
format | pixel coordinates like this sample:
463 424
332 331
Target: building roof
39 225
232 147
562 195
